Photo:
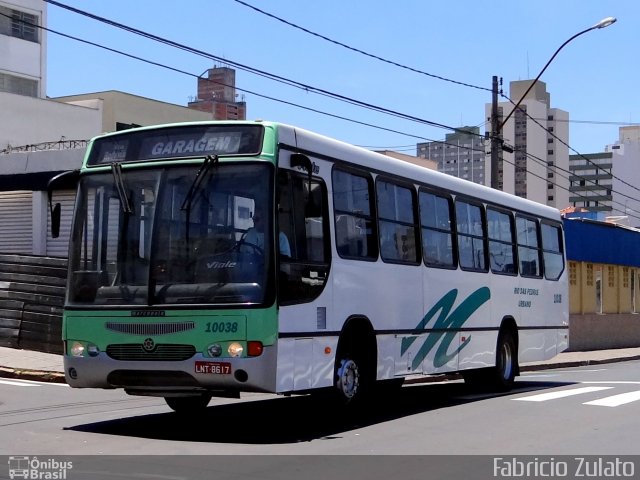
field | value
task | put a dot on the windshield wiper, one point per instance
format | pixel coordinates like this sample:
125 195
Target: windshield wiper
209 161
116 170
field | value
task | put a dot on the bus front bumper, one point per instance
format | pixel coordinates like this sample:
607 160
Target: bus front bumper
197 374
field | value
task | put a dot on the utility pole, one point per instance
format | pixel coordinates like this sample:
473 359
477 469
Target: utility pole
496 135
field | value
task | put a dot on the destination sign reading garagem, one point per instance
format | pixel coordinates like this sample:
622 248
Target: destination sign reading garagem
177 142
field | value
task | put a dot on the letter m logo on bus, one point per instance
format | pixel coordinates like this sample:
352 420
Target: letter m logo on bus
445 327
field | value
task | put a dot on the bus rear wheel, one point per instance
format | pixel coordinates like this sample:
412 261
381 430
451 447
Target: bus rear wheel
189 404
504 373
502 376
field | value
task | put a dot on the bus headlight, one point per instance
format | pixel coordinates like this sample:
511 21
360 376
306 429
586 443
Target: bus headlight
76 349
235 349
82 349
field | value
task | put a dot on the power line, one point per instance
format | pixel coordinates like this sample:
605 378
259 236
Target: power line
595 122
287 102
357 50
267 97
278 78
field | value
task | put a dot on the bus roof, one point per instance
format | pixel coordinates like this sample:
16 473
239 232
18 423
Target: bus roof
313 142
310 142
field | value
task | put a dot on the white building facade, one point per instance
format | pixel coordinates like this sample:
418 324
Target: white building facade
625 160
23 47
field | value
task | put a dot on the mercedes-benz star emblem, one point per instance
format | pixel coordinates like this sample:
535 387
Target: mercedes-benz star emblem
148 345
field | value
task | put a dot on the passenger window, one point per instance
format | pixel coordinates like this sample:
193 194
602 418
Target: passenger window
356 236
437 236
528 247
552 248
471 237
501 242
397 221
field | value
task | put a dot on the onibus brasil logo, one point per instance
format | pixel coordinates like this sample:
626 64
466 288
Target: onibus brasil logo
445 326
34 468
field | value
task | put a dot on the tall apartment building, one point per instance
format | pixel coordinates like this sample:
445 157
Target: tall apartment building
23 47
217 94
625 191
461 154
591 181
538 167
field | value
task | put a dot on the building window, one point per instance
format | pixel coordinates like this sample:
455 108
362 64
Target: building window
549 152
550 118
19 24
18 85
549 140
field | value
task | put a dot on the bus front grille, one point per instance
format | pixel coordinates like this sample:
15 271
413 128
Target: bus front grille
161 352
159 328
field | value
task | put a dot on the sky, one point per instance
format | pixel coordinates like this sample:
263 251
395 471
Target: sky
594 77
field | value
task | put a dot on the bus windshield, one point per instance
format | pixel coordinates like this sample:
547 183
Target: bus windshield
156 236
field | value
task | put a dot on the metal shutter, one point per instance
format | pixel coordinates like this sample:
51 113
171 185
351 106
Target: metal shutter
16 224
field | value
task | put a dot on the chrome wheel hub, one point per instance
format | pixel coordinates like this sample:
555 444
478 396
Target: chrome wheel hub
348 378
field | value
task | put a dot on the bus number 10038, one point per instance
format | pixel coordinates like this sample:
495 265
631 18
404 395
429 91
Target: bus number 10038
221 327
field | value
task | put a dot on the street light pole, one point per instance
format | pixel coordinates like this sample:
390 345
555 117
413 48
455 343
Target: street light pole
496 135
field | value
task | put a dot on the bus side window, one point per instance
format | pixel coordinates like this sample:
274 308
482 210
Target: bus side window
397 222
502 248
552 251
528 247
436 213
471 236
356 236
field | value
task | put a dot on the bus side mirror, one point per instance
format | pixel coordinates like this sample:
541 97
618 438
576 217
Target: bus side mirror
62 180
55 221
302 161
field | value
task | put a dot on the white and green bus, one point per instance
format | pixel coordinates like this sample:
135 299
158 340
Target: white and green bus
208 259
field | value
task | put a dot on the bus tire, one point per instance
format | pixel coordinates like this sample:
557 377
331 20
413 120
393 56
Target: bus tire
189 404
354 368
504 373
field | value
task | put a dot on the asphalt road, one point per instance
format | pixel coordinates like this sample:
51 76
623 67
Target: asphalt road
586 410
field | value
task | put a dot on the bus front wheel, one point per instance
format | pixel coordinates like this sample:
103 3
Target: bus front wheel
190 404
348 379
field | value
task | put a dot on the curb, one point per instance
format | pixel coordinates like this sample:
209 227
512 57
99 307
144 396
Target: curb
577 363
35 375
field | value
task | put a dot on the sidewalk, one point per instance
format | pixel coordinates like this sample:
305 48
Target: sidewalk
48 367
